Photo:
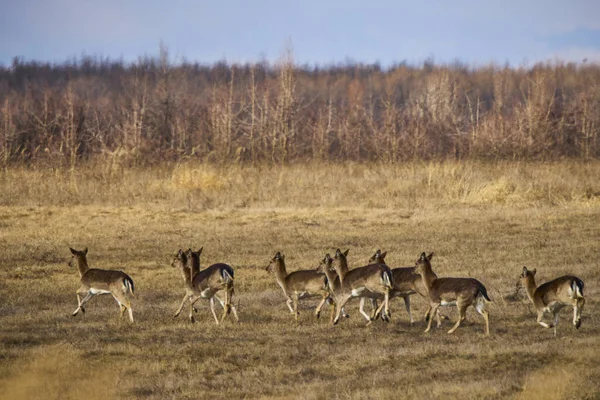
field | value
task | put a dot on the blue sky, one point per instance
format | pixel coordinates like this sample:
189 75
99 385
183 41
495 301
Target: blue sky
320 31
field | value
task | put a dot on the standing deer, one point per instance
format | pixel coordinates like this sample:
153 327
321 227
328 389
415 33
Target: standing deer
406 283
461 292
371 281
298 284
552 296
101 281
204 284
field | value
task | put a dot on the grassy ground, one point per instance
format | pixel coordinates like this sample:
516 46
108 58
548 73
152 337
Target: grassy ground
484 221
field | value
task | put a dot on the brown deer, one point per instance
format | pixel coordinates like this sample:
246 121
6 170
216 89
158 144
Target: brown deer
298 284
371 281
552 296
205 284
334 284
461 292
101 281
406 283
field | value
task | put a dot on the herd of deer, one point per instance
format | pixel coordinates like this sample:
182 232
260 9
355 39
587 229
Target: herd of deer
336 284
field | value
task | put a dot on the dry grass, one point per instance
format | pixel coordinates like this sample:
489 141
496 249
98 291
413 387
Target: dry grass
485 221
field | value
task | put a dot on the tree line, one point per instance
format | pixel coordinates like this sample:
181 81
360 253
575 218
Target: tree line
154 110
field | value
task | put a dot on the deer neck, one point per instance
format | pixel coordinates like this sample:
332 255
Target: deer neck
341 267
331 277
280 273
185 273
82 265
530 286
428 276
194 265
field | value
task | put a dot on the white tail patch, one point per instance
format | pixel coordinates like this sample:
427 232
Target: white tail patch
386 279
226 276
127 284
578 290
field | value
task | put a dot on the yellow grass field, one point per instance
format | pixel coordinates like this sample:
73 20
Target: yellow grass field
482 220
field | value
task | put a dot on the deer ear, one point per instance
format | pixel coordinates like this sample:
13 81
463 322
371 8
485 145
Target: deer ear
85 251
430 256
378 252
338 252
73 251
180 253
423 256
200 250
277 256
534 271
524 270
383 254
346 252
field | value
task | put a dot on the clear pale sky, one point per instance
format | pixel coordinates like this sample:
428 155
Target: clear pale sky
321 31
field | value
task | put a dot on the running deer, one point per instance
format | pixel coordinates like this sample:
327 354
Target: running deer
552 296
204 284
461 292
298 284
334 285
371 281
101 281
406 283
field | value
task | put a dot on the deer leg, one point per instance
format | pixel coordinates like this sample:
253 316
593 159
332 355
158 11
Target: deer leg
332 313
462 310
227 306
480 307
289 303
220 301
378 313
374 308
212 309
438 318
323 300
78 306
540 317
185 298
362 311
407 305
232 307
295 302
192 302
577 312
555 322
124 303
122 308
434 308
428 314
340 305
87 298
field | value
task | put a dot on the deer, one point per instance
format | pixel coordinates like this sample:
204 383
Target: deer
370 281
406 283
101 281
205 284
459 292
299 284
552 296
334 285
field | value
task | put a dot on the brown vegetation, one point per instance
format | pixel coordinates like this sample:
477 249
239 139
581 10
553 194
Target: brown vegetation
155 110
482 220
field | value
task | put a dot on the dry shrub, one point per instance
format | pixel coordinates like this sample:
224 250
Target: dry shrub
200 177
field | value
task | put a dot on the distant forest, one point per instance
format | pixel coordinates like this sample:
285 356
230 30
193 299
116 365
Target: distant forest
154 110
